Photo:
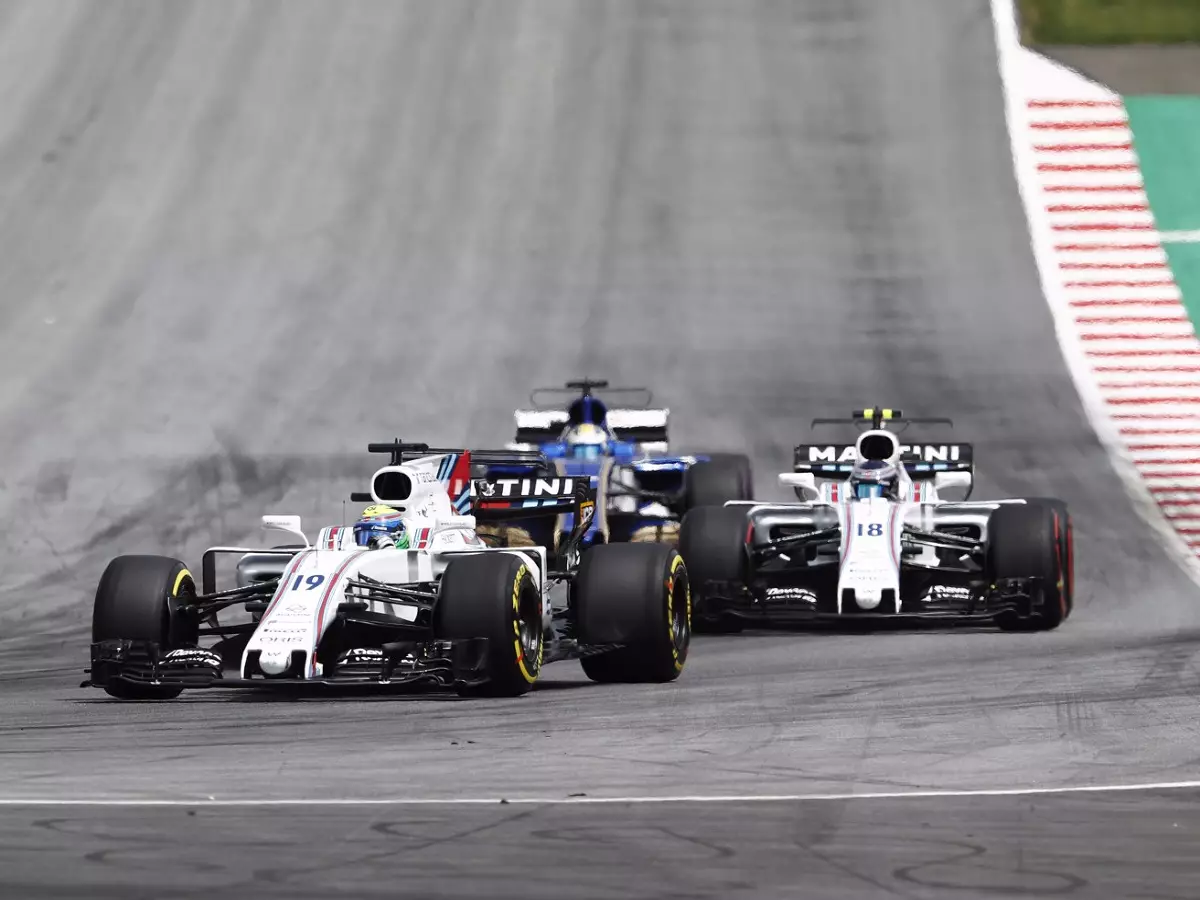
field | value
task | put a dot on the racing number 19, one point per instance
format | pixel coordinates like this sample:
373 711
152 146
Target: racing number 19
872 530
312 581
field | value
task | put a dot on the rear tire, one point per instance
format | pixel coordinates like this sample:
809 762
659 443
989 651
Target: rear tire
494 596
712 541
723 477
636 596
1024 542
133 603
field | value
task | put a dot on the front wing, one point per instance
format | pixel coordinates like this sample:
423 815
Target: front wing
1022 597
407 664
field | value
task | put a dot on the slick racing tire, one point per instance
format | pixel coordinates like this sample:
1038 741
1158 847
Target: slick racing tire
723 477
637 597
494 596
1024 542
134 602
712 541
1066 544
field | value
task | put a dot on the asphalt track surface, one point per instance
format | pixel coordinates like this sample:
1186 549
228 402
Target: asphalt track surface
242 239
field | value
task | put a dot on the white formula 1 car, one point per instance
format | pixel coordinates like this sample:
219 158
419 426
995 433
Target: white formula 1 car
448 611
874 538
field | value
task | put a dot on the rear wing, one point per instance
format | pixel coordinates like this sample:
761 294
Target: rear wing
919 460
401 452
494 499
637 426
556 397
509 499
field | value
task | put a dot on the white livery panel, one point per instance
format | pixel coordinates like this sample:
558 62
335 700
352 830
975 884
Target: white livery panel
870 550
313 587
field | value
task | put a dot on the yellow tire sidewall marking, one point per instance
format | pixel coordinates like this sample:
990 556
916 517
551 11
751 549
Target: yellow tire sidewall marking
530 677
183 573
676 565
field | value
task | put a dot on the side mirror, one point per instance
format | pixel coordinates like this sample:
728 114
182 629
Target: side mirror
804 483
951 479
945 480
286 524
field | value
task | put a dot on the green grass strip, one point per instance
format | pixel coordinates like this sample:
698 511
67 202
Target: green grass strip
1110 21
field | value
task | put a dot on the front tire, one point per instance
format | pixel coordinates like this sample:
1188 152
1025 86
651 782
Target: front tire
134 603
1025 542
1066 544
494 596
712 540
721 478
636 596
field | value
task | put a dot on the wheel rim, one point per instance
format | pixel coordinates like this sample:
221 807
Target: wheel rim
529 631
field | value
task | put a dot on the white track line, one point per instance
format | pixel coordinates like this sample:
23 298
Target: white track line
585 801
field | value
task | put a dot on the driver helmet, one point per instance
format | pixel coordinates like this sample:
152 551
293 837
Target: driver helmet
585 439
875 478
380 526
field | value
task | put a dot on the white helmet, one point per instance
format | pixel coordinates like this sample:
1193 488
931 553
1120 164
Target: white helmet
874 478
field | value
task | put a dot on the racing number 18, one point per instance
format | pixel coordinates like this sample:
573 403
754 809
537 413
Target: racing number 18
872 530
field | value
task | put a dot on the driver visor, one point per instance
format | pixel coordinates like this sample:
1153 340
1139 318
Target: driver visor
365 532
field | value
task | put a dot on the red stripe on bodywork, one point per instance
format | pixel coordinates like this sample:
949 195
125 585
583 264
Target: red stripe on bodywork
283 580
312 659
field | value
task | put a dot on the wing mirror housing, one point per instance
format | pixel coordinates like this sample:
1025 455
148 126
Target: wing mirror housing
948 480
286 524
804 484
951 479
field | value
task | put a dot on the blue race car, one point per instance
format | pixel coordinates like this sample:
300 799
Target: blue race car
642 492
